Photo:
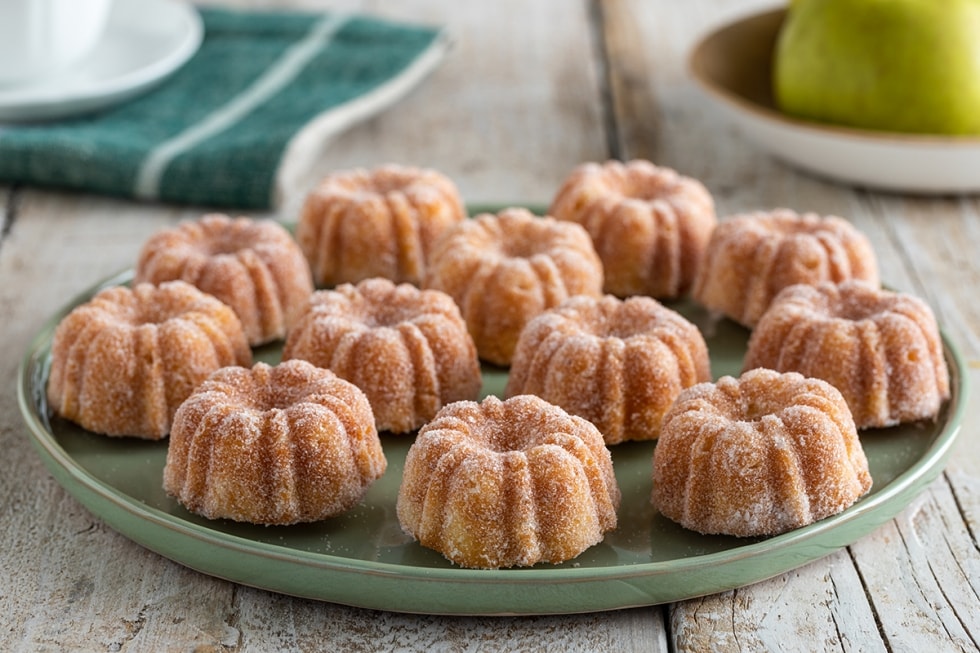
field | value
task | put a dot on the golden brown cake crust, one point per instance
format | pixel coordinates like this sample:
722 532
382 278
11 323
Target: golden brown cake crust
758 455
881 349
619 364
650 225
504 484
504 269
254 266
407 349
123 362
752 256
273 445
359 224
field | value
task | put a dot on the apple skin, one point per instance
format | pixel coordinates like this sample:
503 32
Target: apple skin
893 65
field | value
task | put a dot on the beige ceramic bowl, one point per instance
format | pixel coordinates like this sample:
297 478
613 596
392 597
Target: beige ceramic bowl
733 65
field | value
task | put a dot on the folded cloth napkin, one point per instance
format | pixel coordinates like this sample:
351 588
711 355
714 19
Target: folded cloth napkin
215 132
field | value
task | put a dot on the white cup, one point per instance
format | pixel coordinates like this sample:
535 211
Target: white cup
40 38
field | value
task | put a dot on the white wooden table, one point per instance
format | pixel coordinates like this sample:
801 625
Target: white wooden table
530 90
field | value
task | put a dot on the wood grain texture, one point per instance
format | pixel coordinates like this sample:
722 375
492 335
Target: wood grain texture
529 91
821 606
512 109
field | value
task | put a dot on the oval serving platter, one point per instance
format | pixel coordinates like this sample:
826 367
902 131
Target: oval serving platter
363 558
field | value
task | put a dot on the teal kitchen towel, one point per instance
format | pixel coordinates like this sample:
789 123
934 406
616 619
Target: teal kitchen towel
215 133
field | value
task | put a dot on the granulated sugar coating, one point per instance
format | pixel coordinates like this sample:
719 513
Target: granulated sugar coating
881 349
649 224
254 266
273 445
758 455
504 269
619 364
751 257
407 349
123 362
504 484
359 224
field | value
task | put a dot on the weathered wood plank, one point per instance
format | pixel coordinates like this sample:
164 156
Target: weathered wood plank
658 114
507 115
296 625
963 470
819 607
924 567
930 234
6 198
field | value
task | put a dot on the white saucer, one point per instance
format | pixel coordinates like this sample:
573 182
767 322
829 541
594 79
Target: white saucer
733 65
145 41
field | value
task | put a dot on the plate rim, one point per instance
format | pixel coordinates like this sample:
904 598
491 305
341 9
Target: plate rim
58 461
48 102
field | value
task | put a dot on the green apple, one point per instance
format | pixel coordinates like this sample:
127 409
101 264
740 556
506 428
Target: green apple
894 65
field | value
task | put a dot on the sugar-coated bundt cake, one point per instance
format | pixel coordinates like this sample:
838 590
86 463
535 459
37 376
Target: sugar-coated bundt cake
384 222
254 266
758 455
880 348
619 364
650 225
505 484
407 349
751 257
124 361
273 445
504 269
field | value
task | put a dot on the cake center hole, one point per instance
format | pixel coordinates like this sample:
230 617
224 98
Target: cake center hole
521 248
614 322
502 437
645 193
856 311
275 399
226 244
387 315
150 314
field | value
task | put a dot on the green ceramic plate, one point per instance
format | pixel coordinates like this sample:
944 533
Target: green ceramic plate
364 559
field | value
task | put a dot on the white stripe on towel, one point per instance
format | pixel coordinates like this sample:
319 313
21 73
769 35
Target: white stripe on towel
274 79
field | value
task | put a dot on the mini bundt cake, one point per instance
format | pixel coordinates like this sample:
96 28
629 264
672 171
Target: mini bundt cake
504 484
504 269
407 349
619 364
359 224
124 361
273 445
650 225
758 455
751 257
254 266
881 349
